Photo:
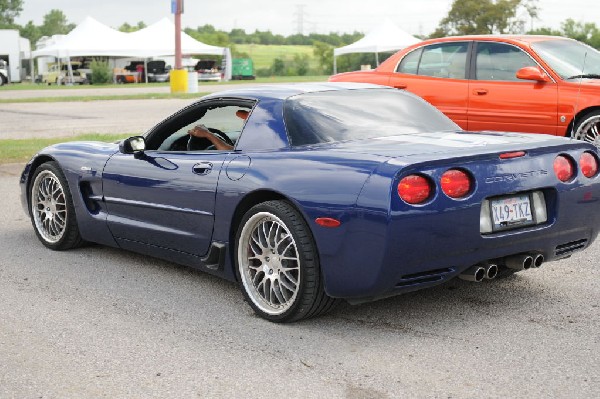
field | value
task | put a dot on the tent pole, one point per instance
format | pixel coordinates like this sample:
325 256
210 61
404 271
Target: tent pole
334 65
146 69
377 59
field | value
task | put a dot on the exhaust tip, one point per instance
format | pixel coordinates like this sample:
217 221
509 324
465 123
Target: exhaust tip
474 273
519 262
538 260
491 271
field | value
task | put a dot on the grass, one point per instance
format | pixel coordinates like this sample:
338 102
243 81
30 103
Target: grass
21 150
263 55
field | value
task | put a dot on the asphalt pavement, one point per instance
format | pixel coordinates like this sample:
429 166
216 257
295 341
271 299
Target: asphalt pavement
101 322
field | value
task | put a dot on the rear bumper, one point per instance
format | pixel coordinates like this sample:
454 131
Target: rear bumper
387 256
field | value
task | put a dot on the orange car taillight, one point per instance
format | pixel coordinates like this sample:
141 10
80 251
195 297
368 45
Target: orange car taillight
415 189
563 168
455 183
588 164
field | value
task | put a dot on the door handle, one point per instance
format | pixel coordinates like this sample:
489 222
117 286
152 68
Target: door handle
202 168
400 86
480 92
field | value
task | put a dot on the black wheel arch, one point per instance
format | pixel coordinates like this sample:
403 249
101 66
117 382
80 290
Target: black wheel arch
580 115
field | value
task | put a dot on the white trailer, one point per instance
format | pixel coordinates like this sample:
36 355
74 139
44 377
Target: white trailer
15 51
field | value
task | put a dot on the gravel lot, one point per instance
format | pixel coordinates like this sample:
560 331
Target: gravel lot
100 322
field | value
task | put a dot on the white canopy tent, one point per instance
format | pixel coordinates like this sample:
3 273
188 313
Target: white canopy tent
158 40
89 38
92 38
385 37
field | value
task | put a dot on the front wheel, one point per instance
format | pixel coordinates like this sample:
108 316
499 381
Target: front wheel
588 128
51 209
278 265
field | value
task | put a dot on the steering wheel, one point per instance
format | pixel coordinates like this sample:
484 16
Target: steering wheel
201 143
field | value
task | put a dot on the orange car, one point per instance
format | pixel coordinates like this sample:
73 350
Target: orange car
535 84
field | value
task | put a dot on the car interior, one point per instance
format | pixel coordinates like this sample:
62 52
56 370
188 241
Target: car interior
224 119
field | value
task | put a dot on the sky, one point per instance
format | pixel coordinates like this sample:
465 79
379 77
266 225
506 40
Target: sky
287 17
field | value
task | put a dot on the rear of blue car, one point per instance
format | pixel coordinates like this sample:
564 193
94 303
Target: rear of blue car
473 216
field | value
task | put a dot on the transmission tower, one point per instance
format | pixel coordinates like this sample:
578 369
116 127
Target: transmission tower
299 18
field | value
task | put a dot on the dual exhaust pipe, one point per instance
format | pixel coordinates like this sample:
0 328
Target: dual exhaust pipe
489 271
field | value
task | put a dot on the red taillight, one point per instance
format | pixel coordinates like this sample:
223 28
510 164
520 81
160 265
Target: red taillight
510 155
563 168
455 183
414 189
588 164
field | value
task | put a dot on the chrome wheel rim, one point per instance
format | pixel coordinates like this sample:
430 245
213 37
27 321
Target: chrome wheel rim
589 130
269 263
49 206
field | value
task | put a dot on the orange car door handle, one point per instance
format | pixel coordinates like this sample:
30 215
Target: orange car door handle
400 86
480 92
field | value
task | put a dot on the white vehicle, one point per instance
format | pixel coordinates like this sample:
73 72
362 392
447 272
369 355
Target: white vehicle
3 73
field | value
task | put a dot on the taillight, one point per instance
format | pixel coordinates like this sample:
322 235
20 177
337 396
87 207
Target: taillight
414 189
588 164
563 168
455 183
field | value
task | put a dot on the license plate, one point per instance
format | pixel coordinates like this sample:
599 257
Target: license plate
511 211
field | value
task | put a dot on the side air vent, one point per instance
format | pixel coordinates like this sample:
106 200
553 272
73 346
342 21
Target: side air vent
424 277
565 249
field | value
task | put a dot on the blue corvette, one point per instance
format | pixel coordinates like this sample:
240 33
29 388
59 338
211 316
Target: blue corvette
311 193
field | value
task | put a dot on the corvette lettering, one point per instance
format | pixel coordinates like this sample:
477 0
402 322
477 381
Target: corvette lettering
516 176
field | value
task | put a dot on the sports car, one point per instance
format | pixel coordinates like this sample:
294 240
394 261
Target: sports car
321 192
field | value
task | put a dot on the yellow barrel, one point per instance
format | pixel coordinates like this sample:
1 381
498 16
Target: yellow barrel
179 80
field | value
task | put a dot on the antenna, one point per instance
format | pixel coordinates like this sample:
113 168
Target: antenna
575 110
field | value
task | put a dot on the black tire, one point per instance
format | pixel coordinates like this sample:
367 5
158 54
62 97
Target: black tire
587 128
3 80
51 208
288 268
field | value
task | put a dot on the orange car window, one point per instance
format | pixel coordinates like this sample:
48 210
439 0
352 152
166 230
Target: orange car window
498 61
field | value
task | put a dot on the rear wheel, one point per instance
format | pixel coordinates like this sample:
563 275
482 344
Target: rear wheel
278 266
51 209
588 128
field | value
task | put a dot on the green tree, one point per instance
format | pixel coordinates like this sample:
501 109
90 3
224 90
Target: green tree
9 10
324 54
55 23
30 31
470 17
584 32
278 67
132 28
301 64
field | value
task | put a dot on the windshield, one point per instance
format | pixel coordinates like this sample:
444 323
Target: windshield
333 116
568 57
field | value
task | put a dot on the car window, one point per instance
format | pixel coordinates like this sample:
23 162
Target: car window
499 61
327 117
224 119
444 60
410 62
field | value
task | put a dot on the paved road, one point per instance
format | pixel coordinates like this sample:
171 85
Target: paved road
111 91
100 322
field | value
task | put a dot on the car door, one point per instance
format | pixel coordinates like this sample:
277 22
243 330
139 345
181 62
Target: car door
165 197
438 74
498 100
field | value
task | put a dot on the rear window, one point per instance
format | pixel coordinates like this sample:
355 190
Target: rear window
335 116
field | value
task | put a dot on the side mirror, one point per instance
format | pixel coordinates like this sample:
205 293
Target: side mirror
133 145
533 73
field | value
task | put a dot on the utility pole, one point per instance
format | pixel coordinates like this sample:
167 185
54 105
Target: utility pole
178 10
